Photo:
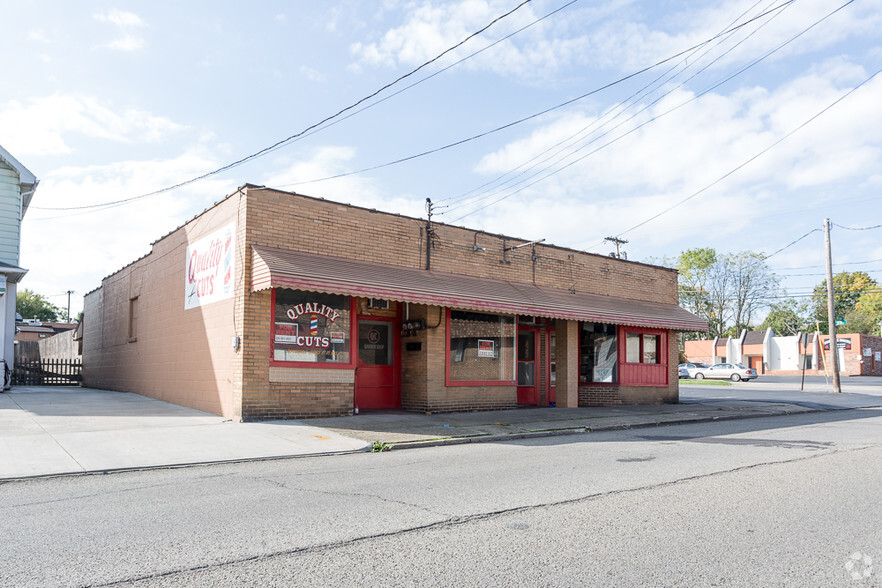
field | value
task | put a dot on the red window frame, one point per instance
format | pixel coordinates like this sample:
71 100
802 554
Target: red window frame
273 362
639 373
453 383
618 360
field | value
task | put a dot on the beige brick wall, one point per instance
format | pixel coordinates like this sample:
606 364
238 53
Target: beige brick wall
182 356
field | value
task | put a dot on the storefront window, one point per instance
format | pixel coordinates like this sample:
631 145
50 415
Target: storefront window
641 348
598 352
311 327
482 347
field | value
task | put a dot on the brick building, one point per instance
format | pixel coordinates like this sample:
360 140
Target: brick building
271 304
858 355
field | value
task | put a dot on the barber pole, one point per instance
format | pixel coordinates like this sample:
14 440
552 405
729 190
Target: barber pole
313 325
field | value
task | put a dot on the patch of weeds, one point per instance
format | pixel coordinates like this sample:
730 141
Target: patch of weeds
379 446
705 383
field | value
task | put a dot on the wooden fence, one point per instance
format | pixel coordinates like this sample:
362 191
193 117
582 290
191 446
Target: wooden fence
48 372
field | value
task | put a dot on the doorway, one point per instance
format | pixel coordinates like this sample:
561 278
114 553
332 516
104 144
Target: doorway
376 373
551 371
528 383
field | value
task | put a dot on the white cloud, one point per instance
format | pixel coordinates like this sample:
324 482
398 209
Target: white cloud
76 249
40 126
120 18
311 74
126 22
38 35
614 35
323 162
687 150
126 43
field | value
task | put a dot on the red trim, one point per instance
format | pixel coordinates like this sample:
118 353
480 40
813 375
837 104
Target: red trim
638 373
313 364
396 352
454 383
549 331
537 332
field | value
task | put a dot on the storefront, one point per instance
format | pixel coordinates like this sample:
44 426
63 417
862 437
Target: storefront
277 305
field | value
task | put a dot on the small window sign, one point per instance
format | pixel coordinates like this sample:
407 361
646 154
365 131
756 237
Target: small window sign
486 348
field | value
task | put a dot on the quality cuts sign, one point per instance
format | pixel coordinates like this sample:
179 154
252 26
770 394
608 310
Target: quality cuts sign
210 268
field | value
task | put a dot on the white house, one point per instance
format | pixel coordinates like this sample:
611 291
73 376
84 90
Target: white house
17 187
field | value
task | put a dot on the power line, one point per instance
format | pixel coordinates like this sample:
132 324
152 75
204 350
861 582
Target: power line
569 143
745 163
542 112
857 228
290 138
570 164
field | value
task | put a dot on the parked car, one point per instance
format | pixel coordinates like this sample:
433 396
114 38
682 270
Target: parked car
684 373
692 368
724 371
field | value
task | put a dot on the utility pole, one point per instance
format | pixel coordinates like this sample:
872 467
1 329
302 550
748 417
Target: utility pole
69 292
831 316
618 242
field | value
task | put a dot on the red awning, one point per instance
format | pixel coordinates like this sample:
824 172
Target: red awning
278 268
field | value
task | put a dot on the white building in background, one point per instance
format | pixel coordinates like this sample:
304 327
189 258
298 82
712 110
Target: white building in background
17 187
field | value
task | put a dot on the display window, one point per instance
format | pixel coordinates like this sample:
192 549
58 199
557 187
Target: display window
311 328
598 353
481 349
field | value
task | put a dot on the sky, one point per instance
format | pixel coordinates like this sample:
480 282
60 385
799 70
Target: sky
736 125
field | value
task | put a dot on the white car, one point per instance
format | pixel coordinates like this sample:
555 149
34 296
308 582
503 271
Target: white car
726 371
692 368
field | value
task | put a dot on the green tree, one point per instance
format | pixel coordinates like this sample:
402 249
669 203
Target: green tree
788 318
726 290
29 304
866 315
847 290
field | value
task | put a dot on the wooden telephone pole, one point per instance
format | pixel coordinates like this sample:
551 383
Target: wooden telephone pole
831 313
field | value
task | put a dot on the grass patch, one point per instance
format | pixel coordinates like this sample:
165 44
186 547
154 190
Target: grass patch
705 382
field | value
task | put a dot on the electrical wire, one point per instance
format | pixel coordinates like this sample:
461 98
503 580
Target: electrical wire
568 144
756 156
290 138
544 111
857 228
673 109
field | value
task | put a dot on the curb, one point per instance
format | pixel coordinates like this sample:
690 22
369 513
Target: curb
489 438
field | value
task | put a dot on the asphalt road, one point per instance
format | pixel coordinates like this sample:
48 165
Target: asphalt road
790 501
857 392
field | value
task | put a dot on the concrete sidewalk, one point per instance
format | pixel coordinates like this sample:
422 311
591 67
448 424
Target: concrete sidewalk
46 431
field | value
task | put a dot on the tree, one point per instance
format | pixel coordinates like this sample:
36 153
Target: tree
866 315
29 304
695 267
788 318
847 290
725 290
752 283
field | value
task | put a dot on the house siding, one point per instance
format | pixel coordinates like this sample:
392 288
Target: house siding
10 213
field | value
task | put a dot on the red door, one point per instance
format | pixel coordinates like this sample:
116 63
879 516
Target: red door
376 377
551 371
528 384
